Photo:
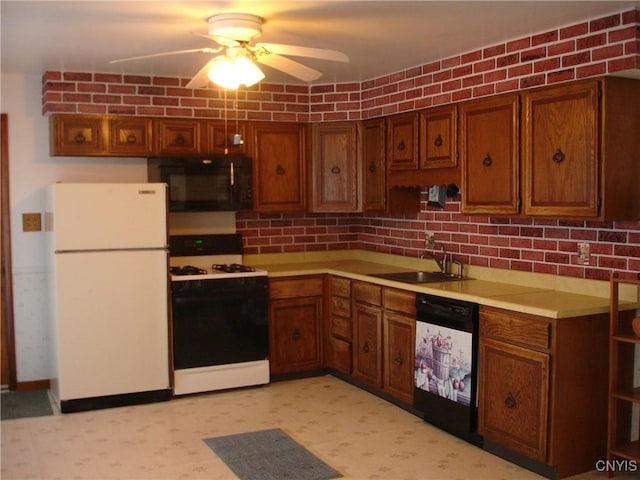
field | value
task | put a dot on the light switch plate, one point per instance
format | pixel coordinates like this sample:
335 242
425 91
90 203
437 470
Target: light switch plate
31 222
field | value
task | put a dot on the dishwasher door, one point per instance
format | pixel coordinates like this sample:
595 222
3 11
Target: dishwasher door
445 387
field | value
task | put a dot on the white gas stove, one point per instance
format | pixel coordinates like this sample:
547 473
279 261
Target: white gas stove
220 315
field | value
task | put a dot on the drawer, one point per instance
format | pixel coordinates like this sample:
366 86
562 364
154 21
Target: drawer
367 293
341 327
294 287
341 306
516 328
400 301
340 286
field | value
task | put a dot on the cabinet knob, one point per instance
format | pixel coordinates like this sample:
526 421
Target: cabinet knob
365 347
510 401
438 141
372 167
401 146
180 139
280 170
398 359
131 138
79 138
335 170
487 161
558 156
296 334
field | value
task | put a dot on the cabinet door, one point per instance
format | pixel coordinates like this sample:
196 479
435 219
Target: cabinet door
399 345
278 152
560 155
438 137
130 136
402 146
335 167
295 334
513 391
373 165
179 137
367 348
489 153
79 135
223 139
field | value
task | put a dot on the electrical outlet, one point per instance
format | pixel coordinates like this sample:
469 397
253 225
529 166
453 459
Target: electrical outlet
583 254
31 222
429 240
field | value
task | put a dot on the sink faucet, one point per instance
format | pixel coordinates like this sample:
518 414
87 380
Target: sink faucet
441 262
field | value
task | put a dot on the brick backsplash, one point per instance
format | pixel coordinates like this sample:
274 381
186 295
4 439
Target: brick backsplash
595 47
541 245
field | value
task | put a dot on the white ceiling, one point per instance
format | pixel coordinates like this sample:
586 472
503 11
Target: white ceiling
380 37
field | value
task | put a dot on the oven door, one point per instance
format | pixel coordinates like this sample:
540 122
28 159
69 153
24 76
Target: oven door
219 322
446 364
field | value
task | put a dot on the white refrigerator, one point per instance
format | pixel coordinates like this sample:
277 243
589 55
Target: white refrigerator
108 294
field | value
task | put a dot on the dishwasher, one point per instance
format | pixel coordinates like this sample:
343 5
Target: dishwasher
446 365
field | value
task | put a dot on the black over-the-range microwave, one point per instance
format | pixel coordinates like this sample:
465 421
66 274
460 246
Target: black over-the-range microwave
217 183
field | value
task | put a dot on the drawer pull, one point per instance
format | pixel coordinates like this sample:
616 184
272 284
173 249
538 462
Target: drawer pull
79 138
131 138
280 170
365 347
372 167
180 140
438 141
296 334
335 170
510 401
487 161
398 360
558 157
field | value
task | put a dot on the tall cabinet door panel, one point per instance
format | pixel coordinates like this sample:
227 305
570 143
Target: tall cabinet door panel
278 152
560 156
373 165
490 155
399 346
335 167
367 355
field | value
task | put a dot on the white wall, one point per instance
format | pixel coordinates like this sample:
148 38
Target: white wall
31 169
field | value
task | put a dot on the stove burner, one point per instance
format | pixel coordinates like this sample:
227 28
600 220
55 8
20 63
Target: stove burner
232 268
187 270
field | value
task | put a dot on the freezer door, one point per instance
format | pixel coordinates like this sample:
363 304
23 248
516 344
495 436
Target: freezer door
111 329
108 216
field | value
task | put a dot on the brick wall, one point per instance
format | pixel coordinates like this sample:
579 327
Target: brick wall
533 245
595 47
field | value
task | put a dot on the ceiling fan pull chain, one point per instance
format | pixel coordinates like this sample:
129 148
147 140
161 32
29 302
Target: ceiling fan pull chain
226 133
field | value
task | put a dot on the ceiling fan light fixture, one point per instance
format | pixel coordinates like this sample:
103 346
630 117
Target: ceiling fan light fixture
230 73
241 27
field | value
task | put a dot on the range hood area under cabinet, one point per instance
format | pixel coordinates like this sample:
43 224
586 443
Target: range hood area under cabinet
564 151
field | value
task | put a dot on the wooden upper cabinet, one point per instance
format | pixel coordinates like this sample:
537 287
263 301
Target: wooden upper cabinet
580 150
373 165
560 150
402 141
78 135
179 137
438 139
278 151
489 152
131 136
223 139
335 167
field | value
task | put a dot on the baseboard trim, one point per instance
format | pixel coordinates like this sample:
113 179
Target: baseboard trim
33 385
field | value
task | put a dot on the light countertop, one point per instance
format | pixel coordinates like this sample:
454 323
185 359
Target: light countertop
537 294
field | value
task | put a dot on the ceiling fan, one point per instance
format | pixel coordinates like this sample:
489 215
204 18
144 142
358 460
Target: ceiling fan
235 34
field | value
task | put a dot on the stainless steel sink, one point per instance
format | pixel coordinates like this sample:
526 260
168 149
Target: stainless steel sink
418 277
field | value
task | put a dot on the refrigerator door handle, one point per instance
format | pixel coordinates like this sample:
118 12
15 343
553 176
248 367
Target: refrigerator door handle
97 250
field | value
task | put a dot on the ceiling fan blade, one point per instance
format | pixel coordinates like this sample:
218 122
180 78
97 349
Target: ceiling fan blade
164 54
298 51
201 79
290 67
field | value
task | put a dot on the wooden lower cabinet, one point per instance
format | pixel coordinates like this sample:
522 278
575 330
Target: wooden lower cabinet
514 397
542 387
295 324
384 339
